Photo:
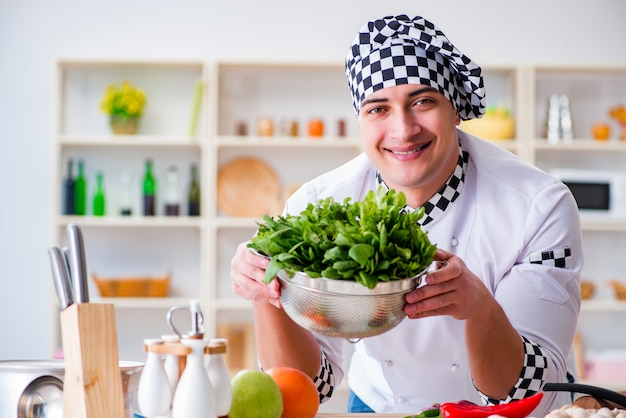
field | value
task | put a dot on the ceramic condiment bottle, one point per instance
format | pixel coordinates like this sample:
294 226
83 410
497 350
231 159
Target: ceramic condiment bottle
154 393
219 376
194 396
172 361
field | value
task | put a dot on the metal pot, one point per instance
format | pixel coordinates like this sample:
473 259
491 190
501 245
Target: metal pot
34 388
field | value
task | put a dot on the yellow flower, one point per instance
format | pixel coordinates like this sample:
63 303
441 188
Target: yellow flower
123 100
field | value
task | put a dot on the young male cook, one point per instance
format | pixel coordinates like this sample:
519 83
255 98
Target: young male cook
498 321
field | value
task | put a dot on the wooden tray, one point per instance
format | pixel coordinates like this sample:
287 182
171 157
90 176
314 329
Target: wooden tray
248 187
132 286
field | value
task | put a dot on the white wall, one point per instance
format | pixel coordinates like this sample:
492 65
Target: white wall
33 33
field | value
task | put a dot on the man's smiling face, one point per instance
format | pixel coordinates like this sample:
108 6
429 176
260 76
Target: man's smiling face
409 134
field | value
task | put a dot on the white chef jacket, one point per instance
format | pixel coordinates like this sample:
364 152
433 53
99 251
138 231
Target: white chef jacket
507 213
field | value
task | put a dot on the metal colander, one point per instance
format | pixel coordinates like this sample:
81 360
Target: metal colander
344 308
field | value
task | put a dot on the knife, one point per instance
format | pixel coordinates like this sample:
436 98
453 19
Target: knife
60 277
66 264
78 265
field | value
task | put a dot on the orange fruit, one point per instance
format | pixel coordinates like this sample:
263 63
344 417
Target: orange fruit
601 131
300 397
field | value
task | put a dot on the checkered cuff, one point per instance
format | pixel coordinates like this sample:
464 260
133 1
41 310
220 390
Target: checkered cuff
531 379
325 380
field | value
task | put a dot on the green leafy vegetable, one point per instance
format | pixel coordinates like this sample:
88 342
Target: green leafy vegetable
367 241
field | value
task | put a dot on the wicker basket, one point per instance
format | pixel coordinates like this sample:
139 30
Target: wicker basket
587 289
619 289
133 286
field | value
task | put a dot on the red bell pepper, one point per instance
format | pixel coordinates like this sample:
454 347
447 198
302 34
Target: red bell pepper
514 409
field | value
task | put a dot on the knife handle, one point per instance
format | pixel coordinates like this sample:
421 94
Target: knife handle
60 277
78 263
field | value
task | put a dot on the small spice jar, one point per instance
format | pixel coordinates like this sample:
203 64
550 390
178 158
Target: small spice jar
265 127
341 127
241 128
289 127
316 127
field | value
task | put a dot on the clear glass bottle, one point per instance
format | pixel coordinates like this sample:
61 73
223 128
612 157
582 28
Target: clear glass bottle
149 190
80 191
219 376
99 200
193 195
68 189
172 192
125 203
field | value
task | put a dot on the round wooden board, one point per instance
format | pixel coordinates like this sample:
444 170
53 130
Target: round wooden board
247 187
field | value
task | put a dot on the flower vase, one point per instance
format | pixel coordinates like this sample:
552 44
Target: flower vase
124 125
194 397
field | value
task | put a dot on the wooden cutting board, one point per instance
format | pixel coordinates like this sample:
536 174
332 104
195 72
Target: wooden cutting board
248 187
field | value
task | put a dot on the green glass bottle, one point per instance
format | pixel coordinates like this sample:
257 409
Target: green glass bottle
193 195
149 190
68 189
80 190
99 202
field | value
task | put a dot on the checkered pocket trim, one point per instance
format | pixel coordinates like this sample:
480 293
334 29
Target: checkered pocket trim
556 258
325 380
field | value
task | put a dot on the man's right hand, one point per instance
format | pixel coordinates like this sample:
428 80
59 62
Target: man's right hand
247 271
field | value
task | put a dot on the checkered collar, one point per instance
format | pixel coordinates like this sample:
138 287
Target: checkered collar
447 194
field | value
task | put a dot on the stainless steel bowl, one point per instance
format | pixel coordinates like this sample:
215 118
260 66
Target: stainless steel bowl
34 388
345 308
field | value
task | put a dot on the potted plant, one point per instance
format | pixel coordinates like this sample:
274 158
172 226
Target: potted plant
124 103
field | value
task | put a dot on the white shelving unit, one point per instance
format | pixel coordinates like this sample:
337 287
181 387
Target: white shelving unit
198 250
123 246
591 92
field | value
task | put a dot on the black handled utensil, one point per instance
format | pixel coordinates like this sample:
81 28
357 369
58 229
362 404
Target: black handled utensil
597 392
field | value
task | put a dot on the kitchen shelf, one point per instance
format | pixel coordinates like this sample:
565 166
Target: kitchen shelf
287 142
143 303
134 245
603 305
597 223
129 141
243 92
133 221
581 145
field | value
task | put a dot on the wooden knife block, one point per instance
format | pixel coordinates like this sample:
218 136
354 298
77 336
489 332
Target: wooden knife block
92 387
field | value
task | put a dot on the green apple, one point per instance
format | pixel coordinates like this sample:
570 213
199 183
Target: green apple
255 395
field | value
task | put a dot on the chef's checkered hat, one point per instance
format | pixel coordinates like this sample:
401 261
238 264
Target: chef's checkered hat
398 50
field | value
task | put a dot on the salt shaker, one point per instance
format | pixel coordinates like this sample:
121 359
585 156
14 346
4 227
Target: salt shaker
219 376
194 396
154 393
